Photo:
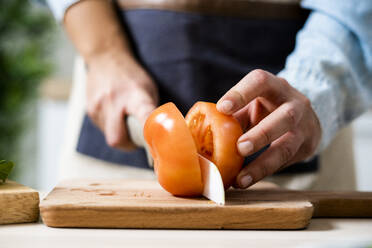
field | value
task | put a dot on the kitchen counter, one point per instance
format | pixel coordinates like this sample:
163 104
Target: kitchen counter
329 232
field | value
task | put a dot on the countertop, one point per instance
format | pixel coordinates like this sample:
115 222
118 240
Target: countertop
320 233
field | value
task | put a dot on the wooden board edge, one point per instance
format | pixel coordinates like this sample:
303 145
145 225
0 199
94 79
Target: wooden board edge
340 203
290 219
27 212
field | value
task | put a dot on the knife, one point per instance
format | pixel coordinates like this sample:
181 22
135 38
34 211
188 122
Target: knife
213 188
135 133
212 180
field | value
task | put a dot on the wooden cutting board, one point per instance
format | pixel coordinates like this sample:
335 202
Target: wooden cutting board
18 203
144 204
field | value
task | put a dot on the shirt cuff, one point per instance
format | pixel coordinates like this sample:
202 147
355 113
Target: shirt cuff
322 97
59 7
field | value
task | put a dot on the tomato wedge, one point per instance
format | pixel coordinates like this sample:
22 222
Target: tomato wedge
215 135
175 156
175 143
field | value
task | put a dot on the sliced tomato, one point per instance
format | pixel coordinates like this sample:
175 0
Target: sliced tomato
175 156
215 136
175 143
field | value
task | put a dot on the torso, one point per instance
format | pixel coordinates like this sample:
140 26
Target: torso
196 57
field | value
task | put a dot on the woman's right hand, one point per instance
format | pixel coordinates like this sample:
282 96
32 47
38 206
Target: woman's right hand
116 87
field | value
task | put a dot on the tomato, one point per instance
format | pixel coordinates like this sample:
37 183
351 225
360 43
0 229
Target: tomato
175 143
215 135
175 156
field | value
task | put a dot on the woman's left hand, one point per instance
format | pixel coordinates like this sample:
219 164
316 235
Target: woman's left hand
274 113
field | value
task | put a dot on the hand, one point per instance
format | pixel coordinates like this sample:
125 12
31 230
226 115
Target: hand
274 113
117 86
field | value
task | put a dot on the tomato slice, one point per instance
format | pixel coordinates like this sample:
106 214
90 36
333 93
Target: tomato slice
215 136
175 143
175 156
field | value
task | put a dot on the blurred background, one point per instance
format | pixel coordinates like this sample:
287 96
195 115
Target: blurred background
36 69
35 80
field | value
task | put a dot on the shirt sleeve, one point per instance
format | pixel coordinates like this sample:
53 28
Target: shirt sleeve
59 7
332 62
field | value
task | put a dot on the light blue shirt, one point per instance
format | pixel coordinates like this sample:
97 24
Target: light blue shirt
331 63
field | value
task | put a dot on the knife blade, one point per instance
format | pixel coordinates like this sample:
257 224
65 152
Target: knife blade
213 188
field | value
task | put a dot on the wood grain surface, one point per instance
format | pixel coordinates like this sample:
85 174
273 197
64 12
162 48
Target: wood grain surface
18 203
144 204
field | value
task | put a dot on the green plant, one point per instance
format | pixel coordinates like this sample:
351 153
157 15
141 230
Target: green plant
24 40
5 169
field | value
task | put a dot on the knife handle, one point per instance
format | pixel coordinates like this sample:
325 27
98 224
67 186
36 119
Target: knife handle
135 134
134 129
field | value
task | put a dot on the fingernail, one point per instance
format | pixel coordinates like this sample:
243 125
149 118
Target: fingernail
245 181
245 147
226 106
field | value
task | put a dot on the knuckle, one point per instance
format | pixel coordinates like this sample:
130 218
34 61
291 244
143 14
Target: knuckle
92 109
313 146
109 94
291 116
260 76
284 82
235 94
306 102
287 85
306 150
263 171
264 136
309 148
286 153
113 141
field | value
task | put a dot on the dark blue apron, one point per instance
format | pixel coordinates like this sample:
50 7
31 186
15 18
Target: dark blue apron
194 57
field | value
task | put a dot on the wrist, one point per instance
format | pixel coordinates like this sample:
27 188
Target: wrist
116 60
120 65
113 55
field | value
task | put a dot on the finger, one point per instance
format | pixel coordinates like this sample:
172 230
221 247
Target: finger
253 113
254 84
305 152
94 108
137 103
285 118
140 104
273 159
236 185
115 130
97 116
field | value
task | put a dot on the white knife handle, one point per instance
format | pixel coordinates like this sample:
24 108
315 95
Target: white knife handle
135 134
